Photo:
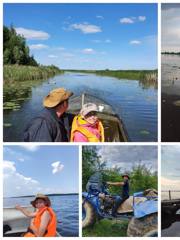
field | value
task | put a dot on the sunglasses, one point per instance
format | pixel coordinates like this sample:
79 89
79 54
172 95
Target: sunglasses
93 113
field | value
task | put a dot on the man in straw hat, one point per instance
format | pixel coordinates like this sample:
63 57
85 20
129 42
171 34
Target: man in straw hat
43 220
125 193
53 123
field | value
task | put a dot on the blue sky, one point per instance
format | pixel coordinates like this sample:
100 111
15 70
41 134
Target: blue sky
170 166
46 169
88 36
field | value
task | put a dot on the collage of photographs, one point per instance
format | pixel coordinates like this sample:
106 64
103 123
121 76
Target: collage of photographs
91 119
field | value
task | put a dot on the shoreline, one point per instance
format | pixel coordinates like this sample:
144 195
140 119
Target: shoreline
27 73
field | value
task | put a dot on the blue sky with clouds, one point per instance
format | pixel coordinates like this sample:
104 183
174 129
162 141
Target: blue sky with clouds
46 169
170 166
126 157
88 36
170 27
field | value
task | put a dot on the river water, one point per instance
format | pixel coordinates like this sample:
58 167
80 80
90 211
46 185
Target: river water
170 85
66 208
134 103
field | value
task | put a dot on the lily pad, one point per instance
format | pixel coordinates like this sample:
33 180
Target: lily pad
144 132
177 103
7 124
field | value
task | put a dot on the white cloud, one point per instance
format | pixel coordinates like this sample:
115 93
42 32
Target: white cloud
31 148
57 167
130 20
126 20
100 17
86 28
38 46
68 55
169 184
32 34
101 41
142 18
52 56
107 41
125 156
135 42
170 29
16 155
88 51
15 184
96 41
61 48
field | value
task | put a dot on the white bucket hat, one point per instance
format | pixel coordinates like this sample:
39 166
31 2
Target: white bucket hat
87 108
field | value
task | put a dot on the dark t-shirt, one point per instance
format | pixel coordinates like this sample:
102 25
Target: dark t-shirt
125 189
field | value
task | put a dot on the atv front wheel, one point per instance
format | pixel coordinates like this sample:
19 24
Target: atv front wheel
146 226
88 214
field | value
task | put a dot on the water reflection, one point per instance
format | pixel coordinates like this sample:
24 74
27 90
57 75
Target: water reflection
135 102
170 98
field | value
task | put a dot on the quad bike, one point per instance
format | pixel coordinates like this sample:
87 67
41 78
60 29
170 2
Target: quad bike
140 209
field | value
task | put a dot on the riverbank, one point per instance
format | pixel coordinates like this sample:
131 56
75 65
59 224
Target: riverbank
144 76
26 73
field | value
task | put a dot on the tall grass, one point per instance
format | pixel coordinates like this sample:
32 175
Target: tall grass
146 76
23 73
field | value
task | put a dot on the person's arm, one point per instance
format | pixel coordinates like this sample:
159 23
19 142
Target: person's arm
115 183
45 218
25 211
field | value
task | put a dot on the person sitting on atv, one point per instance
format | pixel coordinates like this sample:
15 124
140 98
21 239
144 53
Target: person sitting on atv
125 193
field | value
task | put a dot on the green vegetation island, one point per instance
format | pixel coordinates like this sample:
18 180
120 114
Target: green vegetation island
148 76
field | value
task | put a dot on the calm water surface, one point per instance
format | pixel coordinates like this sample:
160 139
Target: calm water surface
66 208
136 105
170 98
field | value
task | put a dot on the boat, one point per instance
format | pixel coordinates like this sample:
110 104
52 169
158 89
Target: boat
114 128
15 223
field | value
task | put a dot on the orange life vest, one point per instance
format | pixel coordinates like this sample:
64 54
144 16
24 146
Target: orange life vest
51 228
77 125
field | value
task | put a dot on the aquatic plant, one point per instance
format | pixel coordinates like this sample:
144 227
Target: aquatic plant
146 78
26 73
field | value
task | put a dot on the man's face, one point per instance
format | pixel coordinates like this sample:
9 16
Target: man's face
66 104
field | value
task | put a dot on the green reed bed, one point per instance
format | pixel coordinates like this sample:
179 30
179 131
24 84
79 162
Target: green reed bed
144 76
23 73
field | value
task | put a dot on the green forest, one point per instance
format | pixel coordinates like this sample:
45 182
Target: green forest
15 50
18 63
141 177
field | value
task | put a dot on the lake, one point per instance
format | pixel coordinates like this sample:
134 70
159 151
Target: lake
66 208
134 103
170 86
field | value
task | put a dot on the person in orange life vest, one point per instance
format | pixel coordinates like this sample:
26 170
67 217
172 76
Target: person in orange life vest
86 127
43 222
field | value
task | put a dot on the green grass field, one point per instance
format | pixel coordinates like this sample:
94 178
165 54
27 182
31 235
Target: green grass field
107 228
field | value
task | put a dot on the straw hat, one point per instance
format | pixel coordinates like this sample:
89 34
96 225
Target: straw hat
41 196
87 108
56 96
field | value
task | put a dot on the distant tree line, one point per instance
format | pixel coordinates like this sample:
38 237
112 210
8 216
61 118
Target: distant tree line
171 53
141 177
15 49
